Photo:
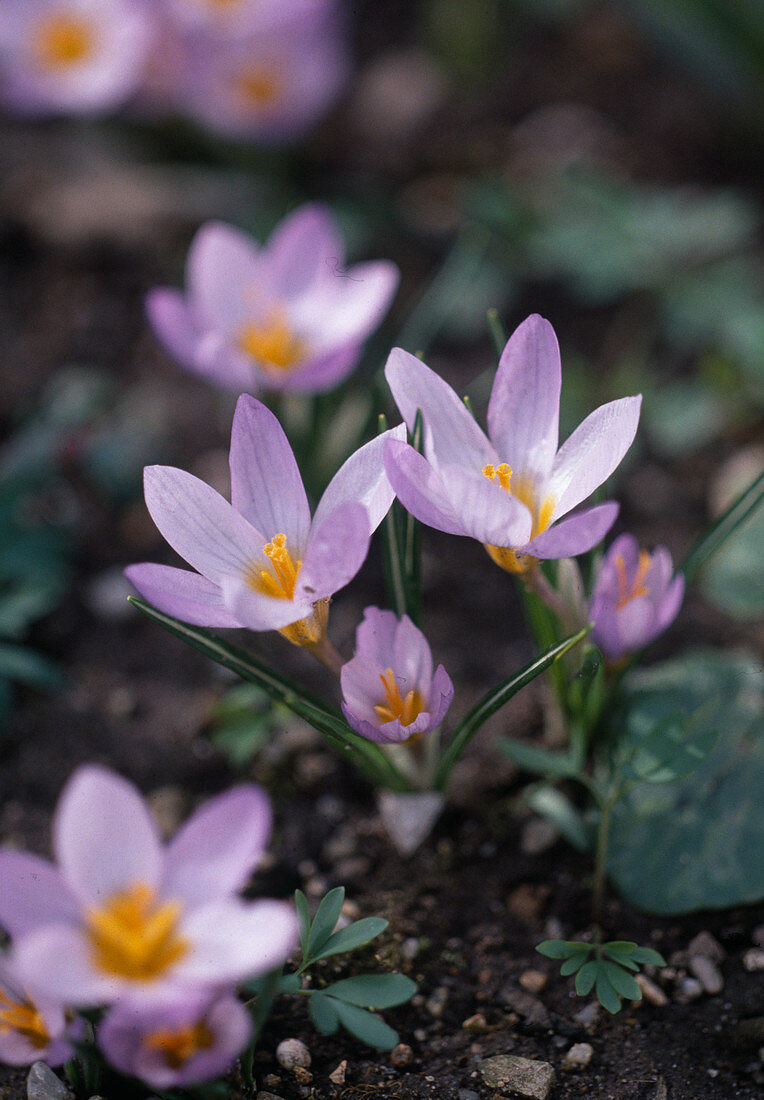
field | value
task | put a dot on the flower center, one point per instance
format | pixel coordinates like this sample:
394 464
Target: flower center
258 87
135 937
404 709
523 490
23 1018
628 592
62 41
181 1043
273 343
281 582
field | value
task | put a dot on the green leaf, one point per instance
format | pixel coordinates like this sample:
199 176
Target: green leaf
696 843
606 992
28 667
574 963
494 700
303 918
325 920
402 547
374 990
674 747
289 983
645 956
531 758
323 1013
562 949
354 935
728 522
586 977
734 580
365 1027
557 808
621 982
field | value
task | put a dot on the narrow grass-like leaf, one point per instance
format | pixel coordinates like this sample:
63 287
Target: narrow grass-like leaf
323 1013
374 990
22 664
531 758
586 977
365 1027
557 808
496 328
621 981
728 522
354 935
325 921
494 700
303 920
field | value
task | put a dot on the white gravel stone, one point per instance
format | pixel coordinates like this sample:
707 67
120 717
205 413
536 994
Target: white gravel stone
292 1053
754 959
651 992
42 1084
578 1057
708 974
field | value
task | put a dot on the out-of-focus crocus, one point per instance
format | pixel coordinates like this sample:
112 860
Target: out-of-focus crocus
237 16
509 489
287 316
263 564
390 693
71 56
635 598
31 1029
119 915
176 1043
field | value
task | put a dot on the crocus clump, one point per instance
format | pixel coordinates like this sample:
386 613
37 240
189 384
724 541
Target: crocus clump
390 693
31 1029
72 56
287 316
262 562
511 489
635 598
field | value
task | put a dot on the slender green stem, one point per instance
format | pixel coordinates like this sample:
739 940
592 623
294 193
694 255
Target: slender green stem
538 583
728 522
600 859
498 335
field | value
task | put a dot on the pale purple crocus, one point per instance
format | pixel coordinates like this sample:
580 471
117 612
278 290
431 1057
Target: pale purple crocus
120 915
287 316
72 56
32 1029
243 16
176 1043
511 489
389 691
635 598
262 562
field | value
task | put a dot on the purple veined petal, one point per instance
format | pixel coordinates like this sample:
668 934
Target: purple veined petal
233 940
182 594
524 409
200 524
362 479
336 551
390 733
223 264
375 637
420 489
266 487
57 961
451 436
412 659
488 513
574 535
625 547
348 305
104 838
636 624
318 374
33 894
605 632
257 611
217 849
304 248
441 695
362 690
174 324
221 362
594 450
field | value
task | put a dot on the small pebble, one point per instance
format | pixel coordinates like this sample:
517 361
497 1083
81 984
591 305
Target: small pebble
588 1015
293 1054
302 1076
401 1055
515 1076
578 1057
467 1094
705 945
410 948
533 981
42 1084
420 1035
689 989
754 959
337 1076
476 1024
651 992
538 837
707 973
436 1003
268 1096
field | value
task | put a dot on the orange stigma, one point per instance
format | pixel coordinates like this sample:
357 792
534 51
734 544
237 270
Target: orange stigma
273 343
626 592
405 710
258 87
23 1018
281 582
63 41
181 1043
523 490
133 936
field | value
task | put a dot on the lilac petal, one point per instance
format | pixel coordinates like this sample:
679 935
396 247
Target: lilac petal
348 305
606 630
389 733
185 595
317 374
266 487
257 611
412 659
420 489
306 246
174 324
33 894
375 637
625 547
58 961
659 574
18 1049
336 551
362 479
488 513
217 849
199 524
104 838
574 535
523 413
636 623
221 362
592 452
233 940
223 262
451 436
670 604
441 695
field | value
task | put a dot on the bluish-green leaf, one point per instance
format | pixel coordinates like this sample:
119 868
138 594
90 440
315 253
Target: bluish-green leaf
323 1013
586 977
28 667
531 758
354 935
365 1027
573 963
621 982
374 990
562 949
303 919
645 956
606 993
557 808
325 920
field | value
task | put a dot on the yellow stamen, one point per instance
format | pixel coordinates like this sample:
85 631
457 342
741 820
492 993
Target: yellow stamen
135 937
626 592
281 584
179 1044
258 87
406 710
23 1018
502 473
273 343
62 41
541 512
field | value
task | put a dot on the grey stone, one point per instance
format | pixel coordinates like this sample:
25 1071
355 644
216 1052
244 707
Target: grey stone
578 1057
707 973
42 1084
436 1003
754 959
689 989
292 1054
651 992
268 1096
526 1005
514 1076
467 1094
588 1015
707 946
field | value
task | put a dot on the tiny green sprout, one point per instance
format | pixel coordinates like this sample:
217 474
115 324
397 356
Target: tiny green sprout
607 968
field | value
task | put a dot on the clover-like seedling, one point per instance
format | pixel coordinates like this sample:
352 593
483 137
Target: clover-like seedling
607 968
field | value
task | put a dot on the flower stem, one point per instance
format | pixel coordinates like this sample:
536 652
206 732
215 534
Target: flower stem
600 862
537 582
325 652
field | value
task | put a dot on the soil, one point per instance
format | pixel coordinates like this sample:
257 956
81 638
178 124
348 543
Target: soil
467 910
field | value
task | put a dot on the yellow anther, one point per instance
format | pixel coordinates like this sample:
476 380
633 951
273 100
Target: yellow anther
501 473
135 937
63 41
626 592
258 87
405 709
179 1044
280 583
23 1018
273 343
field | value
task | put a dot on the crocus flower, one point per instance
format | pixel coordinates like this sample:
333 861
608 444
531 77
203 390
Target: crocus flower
512 488
176 1043
80 56
32 1029
285 317
237 16
263 564
390 693
120 915
635 598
